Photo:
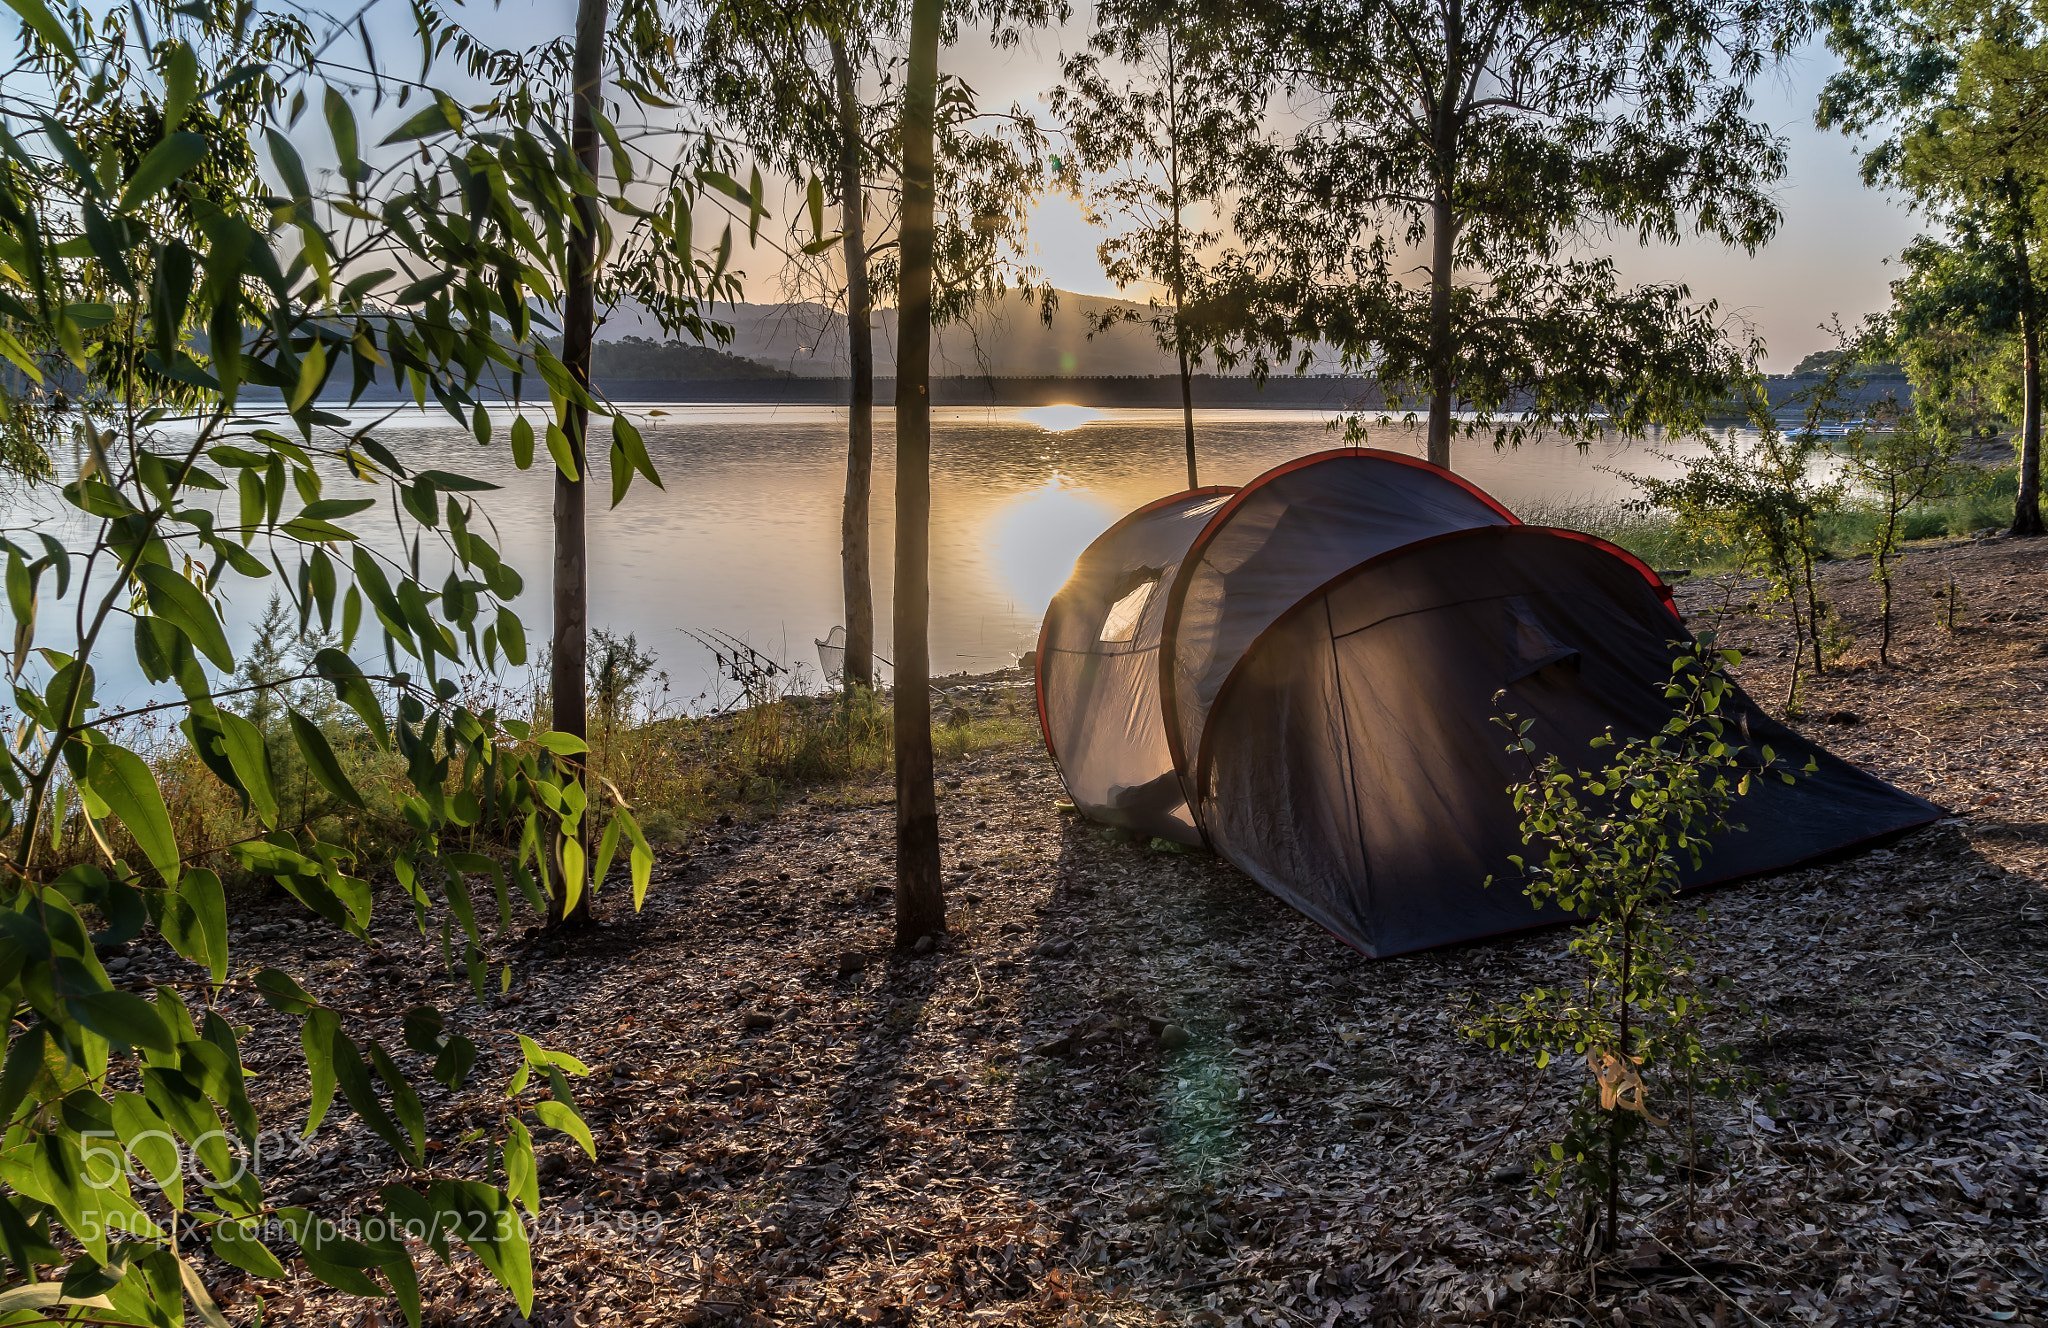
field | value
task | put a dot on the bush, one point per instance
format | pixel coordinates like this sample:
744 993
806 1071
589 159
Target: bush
1611 844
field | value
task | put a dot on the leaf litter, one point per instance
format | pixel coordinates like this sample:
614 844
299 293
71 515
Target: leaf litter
1130 1088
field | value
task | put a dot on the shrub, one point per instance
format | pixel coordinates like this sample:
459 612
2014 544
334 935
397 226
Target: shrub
1611 844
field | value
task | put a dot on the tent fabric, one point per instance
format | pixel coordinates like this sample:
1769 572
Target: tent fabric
1344 754
1280 537
1098 669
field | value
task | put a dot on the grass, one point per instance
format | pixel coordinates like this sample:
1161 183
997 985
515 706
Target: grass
676 771
1979 500
679 771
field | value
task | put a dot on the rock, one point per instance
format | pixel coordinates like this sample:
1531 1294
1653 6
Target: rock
115 964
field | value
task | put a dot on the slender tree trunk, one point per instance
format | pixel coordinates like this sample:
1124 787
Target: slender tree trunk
1815 615
856 562
1187 407
920 903
1443 239
1883 568
2026 516
579 320
1612 1236
1180 256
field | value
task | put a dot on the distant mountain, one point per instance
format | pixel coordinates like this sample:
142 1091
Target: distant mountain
642 358
1006 339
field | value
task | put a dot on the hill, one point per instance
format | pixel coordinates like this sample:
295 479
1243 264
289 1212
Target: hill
1008 338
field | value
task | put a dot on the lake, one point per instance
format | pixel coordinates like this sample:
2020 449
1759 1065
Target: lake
744 539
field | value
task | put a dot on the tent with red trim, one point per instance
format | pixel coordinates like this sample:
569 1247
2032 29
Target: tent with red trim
1301 673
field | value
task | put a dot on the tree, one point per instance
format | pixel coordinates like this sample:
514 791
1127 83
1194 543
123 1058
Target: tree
201 313
1763 497
1157 144
600 247
1954 325
1953 90
1902 467
569 650
1475 141
920 898
856 562
1612 845
787 79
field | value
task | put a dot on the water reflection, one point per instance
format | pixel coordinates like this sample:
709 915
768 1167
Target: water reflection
1035 537
744 537
1059 419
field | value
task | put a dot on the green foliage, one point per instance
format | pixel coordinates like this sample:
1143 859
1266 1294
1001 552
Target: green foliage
1489 135
1151 146
1954 325
1899 470
1611 845
768 71
1948 95
1765 497
183 323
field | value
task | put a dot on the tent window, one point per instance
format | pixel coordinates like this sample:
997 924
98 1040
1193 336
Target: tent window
1124 615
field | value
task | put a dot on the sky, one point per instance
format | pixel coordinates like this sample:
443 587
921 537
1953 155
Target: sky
1828 259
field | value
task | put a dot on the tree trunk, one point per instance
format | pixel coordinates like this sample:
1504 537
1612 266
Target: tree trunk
579 318
1187 407
855 556
1180 256
2026 515
920 904
1443 239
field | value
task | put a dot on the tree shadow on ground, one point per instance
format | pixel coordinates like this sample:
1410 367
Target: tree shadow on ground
1326 1147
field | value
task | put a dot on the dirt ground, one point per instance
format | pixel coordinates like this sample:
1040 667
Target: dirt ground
1131 1088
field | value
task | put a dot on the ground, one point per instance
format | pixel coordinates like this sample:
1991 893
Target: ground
1131 1088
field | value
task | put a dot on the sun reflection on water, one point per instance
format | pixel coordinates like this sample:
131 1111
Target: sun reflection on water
1034 538
1059 419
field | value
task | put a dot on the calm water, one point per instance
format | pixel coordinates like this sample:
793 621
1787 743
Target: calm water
745 537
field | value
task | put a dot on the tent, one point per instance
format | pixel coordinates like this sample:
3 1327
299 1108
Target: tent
1301 674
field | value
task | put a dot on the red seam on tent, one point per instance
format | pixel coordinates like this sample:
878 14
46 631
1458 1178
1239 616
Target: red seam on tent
1201 767
1178 593
1038 662
1649 573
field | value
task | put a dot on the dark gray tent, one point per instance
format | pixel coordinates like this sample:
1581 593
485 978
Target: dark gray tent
1301 673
